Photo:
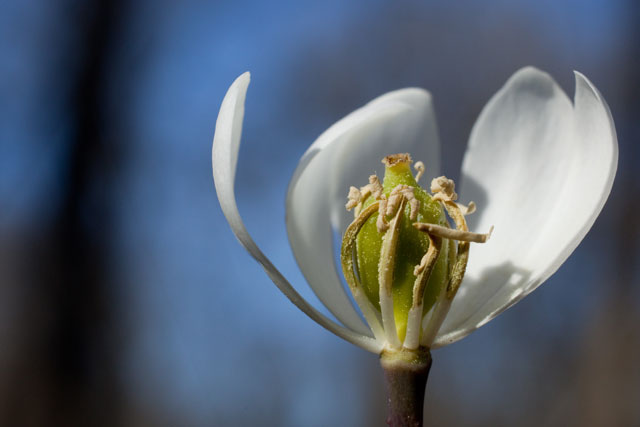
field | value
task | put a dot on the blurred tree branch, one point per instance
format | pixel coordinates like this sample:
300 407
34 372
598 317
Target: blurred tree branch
65 373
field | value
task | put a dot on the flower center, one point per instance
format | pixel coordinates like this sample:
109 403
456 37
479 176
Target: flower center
400 257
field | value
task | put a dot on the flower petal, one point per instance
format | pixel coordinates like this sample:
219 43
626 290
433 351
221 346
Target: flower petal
226 143
540 170
344 155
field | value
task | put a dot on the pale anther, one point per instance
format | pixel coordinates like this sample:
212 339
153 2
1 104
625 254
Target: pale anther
358 196
355 197
395 197
375 186
467 210
443 189
413 202
399 193
381 223
419 167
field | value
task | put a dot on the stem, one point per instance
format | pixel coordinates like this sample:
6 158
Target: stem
406 373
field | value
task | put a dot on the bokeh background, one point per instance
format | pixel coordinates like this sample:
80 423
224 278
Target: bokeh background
125 299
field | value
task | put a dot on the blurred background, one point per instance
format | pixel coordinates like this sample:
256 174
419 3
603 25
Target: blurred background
125 300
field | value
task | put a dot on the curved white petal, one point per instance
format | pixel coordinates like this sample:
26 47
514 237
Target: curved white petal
226 143
344 155
540 170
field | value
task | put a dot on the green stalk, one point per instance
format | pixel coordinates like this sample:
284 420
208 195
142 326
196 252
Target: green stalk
406 373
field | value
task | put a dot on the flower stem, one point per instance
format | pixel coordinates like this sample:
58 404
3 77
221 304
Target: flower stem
406 373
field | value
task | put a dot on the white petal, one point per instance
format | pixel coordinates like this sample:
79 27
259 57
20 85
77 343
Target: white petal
540 170
226 143
344 155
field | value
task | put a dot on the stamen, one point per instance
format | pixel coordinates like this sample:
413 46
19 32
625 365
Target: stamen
419 166
443 189
403 192
425 267
467 210
423 274
415 207
355 197
381 223
444 192
385 275
346 258
433 320
448 233
376 187
363 196
395 197
413 202
455 214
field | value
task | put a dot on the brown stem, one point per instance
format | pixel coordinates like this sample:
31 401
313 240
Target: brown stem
406 373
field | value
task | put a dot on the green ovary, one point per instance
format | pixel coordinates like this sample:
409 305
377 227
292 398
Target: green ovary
412 245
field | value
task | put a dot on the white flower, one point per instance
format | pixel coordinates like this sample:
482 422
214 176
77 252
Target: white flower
539 167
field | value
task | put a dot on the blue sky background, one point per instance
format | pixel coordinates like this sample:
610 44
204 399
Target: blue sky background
204 337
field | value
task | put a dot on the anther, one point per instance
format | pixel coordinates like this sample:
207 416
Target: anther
381 223
413 203
376 187
467 210
355 197
419 167
401 192
443 189
395 197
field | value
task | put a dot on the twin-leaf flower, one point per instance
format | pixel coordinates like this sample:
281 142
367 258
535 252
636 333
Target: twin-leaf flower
539 166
